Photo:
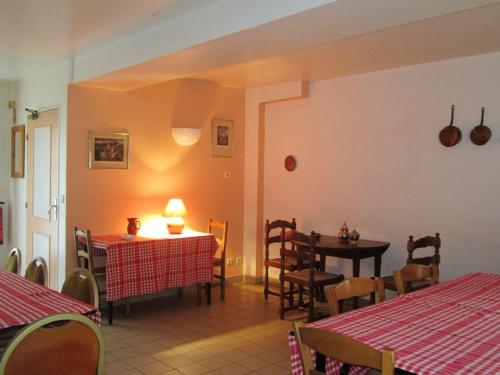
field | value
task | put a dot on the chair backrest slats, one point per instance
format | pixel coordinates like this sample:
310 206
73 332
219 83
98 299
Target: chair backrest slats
342 348
415 272
84 257
219 230
354 287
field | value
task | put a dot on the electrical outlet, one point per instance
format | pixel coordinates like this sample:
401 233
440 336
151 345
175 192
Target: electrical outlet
229 261
237 260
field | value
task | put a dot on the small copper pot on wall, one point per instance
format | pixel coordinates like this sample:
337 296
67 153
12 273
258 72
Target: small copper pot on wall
481 134
450 135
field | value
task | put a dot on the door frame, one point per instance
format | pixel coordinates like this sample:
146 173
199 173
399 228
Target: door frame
60 252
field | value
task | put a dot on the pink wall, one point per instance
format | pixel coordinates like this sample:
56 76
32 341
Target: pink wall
102 199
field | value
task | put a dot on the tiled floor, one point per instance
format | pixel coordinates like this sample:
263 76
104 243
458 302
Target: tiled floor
242 335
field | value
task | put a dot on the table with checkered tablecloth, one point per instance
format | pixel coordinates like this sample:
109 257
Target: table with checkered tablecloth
22 302
150 265
449 329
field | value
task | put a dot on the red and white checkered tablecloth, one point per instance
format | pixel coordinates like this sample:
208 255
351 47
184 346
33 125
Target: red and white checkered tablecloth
452 328
150 265
22 302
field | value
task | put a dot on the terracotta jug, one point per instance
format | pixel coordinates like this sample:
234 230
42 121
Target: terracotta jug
133 225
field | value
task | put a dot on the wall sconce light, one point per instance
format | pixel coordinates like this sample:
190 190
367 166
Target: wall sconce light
186 136
175 211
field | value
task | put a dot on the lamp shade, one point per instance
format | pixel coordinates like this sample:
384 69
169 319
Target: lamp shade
175 208
186 136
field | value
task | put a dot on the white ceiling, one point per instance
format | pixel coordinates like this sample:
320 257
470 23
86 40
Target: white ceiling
340 37
267 54
42 31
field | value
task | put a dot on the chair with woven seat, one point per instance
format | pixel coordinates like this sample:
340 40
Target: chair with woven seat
270 238
36 271
57 344
354 287
343 348
309 278
80 284
412 273
85 260
219 230
13 260
411 246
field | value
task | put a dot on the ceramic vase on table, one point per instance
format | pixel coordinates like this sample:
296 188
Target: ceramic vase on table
133 225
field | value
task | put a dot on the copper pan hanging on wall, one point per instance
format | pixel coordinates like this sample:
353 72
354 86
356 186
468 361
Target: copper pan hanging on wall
450 135
481 134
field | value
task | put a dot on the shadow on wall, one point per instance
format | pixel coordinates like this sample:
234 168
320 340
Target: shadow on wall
190 105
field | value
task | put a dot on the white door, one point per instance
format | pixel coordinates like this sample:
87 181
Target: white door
42 179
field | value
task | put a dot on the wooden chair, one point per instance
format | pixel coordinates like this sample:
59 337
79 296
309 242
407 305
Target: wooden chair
290 261
219 229
13 260
353 288
80 284
411 273
309 278
85 260
343 348
36 271
58 344
411 246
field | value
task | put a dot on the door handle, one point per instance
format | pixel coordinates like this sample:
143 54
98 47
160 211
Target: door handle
53 207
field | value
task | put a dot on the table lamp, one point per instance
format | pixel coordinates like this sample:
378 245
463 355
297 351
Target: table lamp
175 210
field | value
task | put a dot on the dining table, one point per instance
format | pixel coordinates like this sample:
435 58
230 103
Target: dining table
22 302
143 265
329 245
451 328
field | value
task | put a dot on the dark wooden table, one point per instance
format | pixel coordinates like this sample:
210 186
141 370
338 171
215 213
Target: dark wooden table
332 246
362 249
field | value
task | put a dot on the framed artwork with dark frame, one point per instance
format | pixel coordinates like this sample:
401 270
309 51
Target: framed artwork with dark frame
108 150
17 138
222 138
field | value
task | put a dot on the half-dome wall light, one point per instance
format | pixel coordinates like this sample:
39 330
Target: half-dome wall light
186 136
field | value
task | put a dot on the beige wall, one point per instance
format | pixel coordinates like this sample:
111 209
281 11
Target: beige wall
368 153
101 200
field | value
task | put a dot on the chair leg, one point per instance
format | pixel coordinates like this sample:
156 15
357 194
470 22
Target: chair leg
180 292
282 297
290 295
266 283
208 290
110 313
311 305
127 308
223 283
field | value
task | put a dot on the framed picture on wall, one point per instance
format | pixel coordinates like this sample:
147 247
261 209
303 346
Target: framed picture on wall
108 150
17 151
222 138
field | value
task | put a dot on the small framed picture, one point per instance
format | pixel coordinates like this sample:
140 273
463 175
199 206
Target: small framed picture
108 150
222 138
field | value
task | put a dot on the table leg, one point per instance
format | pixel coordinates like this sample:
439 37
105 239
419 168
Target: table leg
378 264
110 313
322 262
180 292
208 287
355 273
198 293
